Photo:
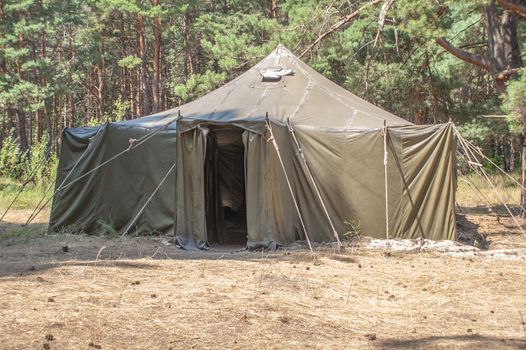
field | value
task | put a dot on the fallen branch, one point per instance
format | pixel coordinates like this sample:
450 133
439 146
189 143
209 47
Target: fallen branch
337 26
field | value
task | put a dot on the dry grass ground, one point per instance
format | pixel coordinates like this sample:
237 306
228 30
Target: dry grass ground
140 293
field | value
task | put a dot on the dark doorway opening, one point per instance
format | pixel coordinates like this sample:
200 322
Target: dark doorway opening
226 215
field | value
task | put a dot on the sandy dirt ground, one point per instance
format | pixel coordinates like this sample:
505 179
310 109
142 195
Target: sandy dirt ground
82 292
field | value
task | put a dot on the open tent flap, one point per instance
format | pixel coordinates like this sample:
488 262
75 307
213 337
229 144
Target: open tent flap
107 199
240 153
190 212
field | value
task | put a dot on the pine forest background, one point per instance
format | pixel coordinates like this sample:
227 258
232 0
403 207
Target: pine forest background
67 63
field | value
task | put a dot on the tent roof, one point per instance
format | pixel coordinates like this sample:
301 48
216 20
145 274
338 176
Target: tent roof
305 96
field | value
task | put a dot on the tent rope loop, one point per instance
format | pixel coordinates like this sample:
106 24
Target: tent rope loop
132 142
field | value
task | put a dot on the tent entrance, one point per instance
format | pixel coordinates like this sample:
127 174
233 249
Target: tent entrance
226 217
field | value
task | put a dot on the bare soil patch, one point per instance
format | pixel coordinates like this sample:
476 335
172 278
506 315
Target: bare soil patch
139 293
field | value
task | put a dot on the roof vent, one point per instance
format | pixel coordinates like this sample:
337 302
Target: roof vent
274 74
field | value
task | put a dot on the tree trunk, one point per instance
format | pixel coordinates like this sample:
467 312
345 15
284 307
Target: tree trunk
2 132
523 159
43 82
143 68
157 45
124 94
22 136
99 89
505 141
188 66
54 120
512 154
502 44
49 125
273 8
21 116
505 59
3 70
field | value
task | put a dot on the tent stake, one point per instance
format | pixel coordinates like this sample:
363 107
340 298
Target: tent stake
304 160
385 181
274 143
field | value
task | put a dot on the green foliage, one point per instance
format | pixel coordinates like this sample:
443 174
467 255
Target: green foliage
57 56
107 229
11 164
129 61
478 131
28 198
198 84
515 102
354 230
18 166
119 112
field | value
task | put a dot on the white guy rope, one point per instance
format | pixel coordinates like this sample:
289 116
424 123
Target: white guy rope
479 170
502 200
274 143
385 182
147 201
91 141
472 184
493 163
29 179
302 157
133 144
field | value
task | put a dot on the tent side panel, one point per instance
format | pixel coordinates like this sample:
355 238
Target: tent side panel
129 180
110 197
159 213
364 183
74 208
282 221
323 152
429 165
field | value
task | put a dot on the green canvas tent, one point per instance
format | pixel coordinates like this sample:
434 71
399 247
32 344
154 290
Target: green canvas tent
278 154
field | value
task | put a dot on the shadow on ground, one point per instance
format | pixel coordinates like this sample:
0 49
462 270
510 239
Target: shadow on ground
465 342
30 249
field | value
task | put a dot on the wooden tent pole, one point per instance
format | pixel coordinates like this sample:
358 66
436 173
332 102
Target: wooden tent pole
385 182
304 160
274 143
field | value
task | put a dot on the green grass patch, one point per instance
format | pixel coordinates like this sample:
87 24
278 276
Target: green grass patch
22 234
469 196
28 199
